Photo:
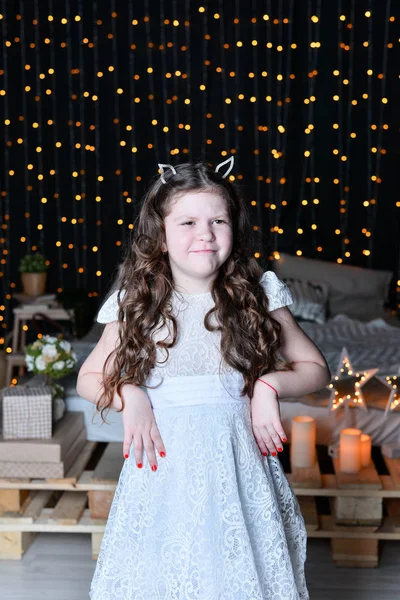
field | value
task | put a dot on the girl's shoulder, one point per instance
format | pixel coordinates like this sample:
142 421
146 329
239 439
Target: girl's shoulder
278 292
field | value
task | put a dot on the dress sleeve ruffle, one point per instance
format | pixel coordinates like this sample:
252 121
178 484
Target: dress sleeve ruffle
277 291
109 311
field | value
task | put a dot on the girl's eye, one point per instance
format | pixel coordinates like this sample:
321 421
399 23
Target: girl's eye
188 222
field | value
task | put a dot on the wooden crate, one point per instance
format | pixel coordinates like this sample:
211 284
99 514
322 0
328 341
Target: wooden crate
355 513
360 509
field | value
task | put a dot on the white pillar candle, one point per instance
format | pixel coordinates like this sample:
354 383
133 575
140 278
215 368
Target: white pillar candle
350 450
366 447
302 449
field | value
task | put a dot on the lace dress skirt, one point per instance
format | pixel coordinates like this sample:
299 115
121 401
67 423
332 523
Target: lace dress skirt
216 521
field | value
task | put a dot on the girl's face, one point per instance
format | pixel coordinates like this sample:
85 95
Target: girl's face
198 222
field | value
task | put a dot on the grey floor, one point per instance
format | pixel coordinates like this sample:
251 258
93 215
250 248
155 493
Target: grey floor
59 567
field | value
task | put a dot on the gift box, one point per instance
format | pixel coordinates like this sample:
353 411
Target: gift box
27 412
45 458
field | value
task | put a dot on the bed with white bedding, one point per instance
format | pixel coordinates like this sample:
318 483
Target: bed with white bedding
372 344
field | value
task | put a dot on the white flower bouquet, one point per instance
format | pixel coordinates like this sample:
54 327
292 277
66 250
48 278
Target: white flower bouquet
54 359
51 357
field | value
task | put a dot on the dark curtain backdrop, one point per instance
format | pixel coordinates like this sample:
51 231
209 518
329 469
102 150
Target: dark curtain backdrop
94 94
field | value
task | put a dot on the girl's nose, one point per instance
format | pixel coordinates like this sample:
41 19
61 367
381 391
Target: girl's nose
206 233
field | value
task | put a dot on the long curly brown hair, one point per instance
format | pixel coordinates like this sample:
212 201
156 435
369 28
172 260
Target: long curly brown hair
250 337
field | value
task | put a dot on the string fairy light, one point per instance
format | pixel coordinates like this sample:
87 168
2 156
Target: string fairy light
314 24
282 119
97 249
82 202
166 143
74 173
5 205
345 130
176 24
117 121
256 116
24 98
58 262
132 126
236 75
224 80
39 130
155 145
376 178
266 17
367 203
188 54
203 10
308 174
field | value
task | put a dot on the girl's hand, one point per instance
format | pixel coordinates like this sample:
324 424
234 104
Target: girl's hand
266 420
140 424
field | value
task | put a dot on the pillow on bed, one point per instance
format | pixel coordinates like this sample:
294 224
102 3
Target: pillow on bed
353 291
310 299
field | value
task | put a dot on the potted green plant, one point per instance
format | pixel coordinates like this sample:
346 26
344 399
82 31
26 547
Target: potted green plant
33 269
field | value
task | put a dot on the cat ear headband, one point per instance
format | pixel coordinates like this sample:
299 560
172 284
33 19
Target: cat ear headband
229 168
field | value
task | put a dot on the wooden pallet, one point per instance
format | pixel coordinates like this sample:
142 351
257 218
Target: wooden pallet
29 506
360 509
354 512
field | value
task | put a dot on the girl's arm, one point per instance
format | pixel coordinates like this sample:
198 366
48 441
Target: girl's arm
311 372
89 387
89 381
140 427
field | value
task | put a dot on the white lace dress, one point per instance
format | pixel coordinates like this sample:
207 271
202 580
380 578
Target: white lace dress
217 520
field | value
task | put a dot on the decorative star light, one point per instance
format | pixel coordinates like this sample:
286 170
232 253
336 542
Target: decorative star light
392 382
384 388
346 385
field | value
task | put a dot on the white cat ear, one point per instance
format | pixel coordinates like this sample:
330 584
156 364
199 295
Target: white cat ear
231 161
162 171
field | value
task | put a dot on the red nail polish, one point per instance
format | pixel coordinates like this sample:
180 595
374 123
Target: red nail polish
273 453
140 465
126 455
162 454
284 439
279 449
265 453
154 468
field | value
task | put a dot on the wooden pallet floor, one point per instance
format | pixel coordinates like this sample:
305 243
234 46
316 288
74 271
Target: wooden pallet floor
354 512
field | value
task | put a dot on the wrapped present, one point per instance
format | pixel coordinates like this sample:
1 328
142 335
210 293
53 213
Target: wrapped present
27 412
49 450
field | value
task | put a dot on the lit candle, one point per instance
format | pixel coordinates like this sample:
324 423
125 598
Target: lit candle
302 449
350 450
366 447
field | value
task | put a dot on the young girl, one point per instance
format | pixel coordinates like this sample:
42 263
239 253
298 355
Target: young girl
198 349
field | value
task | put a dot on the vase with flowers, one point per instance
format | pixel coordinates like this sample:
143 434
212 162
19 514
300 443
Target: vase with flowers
53 358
